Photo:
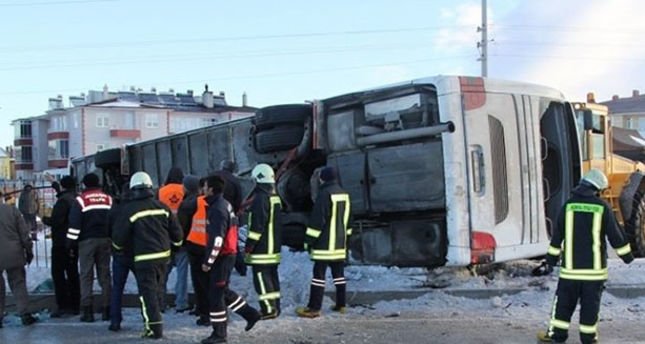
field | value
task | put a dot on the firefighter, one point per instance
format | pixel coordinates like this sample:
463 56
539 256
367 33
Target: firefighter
265 240
579 238
192 217
219 259
172 194
152 230
88 230
326 240
233 194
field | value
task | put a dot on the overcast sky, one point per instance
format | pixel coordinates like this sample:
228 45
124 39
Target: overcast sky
291 51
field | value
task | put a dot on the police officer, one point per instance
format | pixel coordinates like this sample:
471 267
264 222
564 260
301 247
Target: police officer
88 229
579 238
265 240
326 239
152 230
221 247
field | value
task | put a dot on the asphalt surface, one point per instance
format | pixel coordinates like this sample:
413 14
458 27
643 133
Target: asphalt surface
410 327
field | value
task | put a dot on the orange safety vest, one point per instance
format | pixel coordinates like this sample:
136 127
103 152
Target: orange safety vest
172 195
197 234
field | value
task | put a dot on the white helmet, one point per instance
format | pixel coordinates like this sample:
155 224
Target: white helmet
596 178
263 173
140 180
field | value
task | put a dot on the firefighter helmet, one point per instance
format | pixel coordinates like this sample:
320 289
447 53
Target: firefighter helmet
263 173
596 178
140 180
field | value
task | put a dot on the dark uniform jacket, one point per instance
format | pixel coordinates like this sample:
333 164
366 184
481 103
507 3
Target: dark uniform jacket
328 227
579 237
264 240
59 219
88 216
220 222
114 220
149 225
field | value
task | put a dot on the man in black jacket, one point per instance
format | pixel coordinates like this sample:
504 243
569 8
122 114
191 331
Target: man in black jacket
151 229
64 267
219 258
233 194
580 238
88 229
326 240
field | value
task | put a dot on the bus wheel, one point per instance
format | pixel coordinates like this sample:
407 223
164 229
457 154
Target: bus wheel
635 228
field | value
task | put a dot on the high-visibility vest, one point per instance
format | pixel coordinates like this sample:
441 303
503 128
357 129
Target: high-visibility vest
197 234
171 195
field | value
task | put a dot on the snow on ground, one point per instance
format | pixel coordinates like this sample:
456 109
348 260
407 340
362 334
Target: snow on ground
295 275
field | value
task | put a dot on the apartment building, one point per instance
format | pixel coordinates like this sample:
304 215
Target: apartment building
627 112
104 119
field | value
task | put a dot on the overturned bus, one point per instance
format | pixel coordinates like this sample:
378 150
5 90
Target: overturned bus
444 170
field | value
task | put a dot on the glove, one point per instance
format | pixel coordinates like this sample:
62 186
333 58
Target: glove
72 253
29 256
248 249
543 270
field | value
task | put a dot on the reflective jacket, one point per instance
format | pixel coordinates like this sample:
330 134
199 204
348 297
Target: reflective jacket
88 216
264 240
328 227
149 225
59 219
197 233
579 237
221 229
171 195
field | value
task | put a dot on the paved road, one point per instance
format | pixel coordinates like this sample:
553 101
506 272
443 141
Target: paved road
408 327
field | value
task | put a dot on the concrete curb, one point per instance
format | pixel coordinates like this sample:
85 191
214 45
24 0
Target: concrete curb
42 301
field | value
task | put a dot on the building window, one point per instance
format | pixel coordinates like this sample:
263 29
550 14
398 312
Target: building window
628 122
100 147
23 154
58 149
152 120
23 129
102 121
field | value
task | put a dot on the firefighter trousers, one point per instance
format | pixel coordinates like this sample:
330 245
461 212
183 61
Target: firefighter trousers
150 277
567 295
220 296
318 283
267 284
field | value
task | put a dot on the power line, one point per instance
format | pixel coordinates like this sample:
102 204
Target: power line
565 44
14 49
208 57
564 28
568 57
47 3
270 75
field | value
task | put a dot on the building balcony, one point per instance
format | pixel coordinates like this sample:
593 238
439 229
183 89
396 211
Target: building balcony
125 133
57 163
58 135
24 166
23 142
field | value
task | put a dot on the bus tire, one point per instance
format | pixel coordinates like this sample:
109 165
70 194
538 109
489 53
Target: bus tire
273 116
108 157
278 138
635 228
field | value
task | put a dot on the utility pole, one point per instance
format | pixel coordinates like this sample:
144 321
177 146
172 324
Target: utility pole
483 44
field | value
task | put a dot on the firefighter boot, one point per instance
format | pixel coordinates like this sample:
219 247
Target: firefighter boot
218 335
88 314
543 337
155 331
28 319
251 315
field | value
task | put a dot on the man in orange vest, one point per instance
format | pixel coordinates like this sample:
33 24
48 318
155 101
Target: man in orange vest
171 194
192 217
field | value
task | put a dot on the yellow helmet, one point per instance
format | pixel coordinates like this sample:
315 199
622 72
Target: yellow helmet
596 178
263 173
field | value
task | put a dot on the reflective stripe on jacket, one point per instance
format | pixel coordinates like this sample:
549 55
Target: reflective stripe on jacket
579 238
265 235
329 224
